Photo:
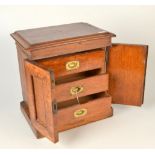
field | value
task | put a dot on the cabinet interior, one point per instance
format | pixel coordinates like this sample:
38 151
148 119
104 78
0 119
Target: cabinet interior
82 100
77 76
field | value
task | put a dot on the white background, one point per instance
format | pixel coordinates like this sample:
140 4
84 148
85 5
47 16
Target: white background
130 127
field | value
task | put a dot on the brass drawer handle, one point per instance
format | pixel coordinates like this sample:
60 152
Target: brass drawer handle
80 112
75 90
71 65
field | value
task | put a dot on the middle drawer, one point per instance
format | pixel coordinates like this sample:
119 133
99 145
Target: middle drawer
82 87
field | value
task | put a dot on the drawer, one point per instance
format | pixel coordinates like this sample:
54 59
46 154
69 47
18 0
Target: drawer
92 108
75 63
82 87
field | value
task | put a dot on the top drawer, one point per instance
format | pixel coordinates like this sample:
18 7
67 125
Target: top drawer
75 63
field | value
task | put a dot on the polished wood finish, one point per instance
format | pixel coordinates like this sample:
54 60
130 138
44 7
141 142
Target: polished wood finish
58 96
97 109
24 106
25 111
60 40
91 85
54 34
46 80
40 99
42 93
58 64
127 69
67 48
21 58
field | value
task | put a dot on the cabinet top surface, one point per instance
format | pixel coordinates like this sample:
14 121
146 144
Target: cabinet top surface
45 35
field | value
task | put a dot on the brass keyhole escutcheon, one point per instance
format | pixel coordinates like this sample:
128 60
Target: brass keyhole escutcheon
76 90
71 65
80 112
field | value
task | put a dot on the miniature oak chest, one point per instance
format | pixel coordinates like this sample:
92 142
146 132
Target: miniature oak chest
70 75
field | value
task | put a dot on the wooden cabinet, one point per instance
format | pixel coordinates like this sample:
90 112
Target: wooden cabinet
70 75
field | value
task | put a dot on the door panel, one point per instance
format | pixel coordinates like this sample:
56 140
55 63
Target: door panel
126 67
40 99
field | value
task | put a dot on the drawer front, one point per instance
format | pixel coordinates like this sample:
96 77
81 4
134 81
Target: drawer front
82 87
81 114
70 64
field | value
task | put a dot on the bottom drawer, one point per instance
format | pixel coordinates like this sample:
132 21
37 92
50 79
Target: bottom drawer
91 108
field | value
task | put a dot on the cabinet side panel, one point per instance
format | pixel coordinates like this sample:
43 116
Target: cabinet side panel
21 58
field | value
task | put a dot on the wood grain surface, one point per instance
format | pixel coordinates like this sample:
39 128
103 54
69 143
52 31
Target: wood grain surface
43 53
93 59
31 37
60 40
127 68
97 109
91 85
40 98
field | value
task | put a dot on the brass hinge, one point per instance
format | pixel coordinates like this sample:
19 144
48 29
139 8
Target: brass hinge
54 106
52 77
54 103
107 54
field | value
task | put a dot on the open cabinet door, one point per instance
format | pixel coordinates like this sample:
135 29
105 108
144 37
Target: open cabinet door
40 100
127 67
